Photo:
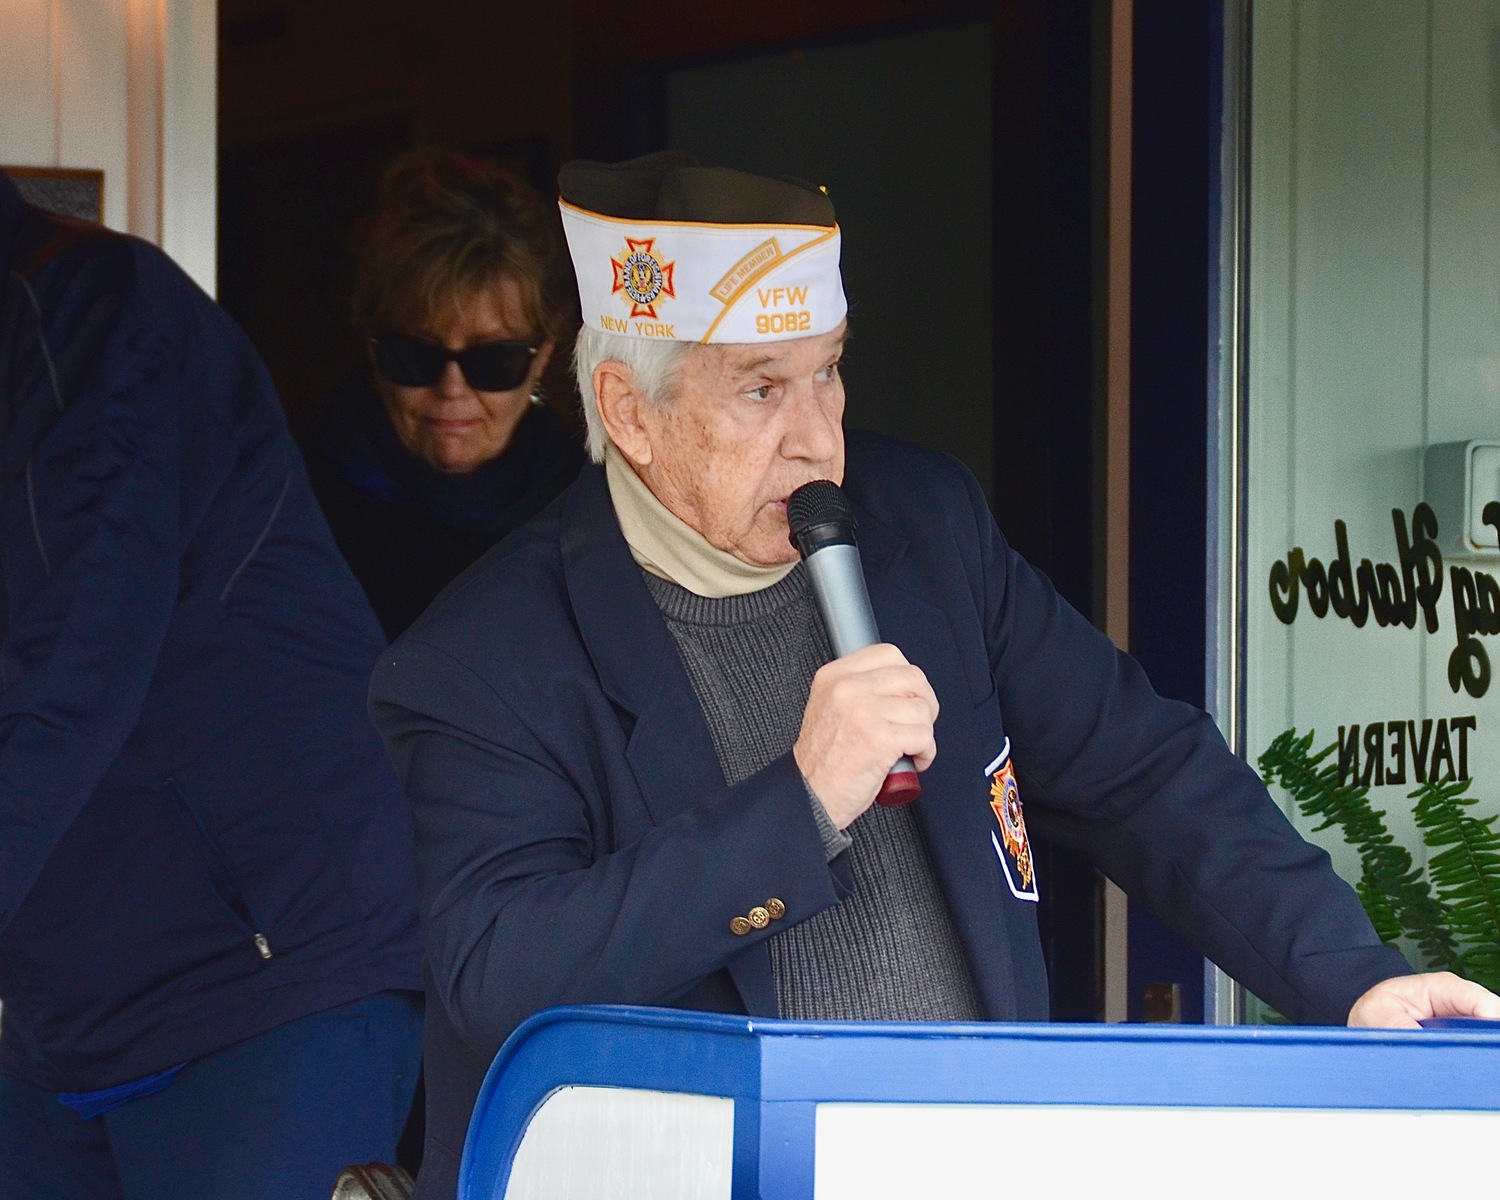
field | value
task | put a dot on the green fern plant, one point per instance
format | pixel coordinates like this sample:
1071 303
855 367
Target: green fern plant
1453 913
1465 871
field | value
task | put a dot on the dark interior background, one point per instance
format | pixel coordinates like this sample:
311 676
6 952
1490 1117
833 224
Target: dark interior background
896 125
963 144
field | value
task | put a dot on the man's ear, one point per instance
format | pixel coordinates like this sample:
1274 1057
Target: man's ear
620 402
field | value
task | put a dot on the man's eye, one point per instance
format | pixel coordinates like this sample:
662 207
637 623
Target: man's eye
761 393
827 372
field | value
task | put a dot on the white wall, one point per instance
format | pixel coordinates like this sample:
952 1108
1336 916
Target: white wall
1374 332
127 87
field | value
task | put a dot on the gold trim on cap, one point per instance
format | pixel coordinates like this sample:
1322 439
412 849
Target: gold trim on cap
776 265
771 225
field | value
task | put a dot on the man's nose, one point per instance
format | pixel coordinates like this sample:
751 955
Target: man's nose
814 433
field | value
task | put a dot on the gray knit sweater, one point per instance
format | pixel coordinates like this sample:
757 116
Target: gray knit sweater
889 951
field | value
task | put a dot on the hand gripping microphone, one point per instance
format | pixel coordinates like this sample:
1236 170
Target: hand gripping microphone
822 525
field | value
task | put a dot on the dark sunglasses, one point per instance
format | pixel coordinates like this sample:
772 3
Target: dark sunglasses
415 362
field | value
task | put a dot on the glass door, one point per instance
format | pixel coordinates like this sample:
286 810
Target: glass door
1358 462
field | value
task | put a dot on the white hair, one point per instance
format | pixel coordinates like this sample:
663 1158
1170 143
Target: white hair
654 363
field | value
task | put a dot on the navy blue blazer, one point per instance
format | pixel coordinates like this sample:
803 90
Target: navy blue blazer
200 833
577 843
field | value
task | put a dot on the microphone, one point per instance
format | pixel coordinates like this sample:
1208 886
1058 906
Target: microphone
822 524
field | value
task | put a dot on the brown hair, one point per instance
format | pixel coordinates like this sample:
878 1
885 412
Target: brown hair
446 226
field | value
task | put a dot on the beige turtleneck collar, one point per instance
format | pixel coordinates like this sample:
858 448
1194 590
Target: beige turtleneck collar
668 547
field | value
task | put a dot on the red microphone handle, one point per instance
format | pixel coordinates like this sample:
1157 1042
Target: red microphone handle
901 785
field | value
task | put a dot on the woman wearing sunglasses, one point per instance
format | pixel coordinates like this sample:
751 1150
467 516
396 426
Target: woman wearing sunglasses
442 445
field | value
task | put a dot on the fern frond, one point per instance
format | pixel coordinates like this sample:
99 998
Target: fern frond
1466 875
1481 963
1391 888
1378 907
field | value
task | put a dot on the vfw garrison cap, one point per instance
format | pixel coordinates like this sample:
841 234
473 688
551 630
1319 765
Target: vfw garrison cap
664 248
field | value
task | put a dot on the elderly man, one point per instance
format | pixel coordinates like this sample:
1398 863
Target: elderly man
638 778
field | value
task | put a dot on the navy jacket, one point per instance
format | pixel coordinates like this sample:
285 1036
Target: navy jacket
576 841
200 833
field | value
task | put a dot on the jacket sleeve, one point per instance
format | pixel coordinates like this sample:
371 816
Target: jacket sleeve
1146 788
526 899
91 572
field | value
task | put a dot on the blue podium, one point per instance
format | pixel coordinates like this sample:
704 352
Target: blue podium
624 1102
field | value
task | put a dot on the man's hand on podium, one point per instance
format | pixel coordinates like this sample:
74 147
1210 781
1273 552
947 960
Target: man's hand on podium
1402 1002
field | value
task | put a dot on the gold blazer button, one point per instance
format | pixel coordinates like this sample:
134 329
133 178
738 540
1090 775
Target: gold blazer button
759 917
776 908
740 927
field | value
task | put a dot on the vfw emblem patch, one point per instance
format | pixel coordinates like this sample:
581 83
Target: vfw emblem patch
1012 846
642 276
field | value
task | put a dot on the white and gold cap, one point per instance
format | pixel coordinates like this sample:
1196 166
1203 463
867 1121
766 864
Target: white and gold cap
663 248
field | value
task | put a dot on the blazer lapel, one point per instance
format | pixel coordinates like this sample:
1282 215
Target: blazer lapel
953 812
670 751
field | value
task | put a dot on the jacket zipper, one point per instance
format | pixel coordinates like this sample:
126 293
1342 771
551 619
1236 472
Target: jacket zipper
223 882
